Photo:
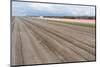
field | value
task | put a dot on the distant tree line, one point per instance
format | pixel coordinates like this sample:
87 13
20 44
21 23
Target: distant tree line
72 17
80 17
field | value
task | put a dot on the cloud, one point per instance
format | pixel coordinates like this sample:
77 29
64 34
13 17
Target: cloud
58 8
46 7
83 10
22 8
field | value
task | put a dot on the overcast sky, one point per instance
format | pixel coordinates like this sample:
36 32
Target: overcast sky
41 9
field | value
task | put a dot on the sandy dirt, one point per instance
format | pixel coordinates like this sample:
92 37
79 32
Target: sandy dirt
73 20
36 41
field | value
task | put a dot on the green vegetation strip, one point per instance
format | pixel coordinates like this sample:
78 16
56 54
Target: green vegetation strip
78 24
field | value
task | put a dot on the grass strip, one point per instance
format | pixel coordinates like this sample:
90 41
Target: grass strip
77 23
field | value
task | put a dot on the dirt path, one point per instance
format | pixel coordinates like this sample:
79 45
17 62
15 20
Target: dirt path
36 41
